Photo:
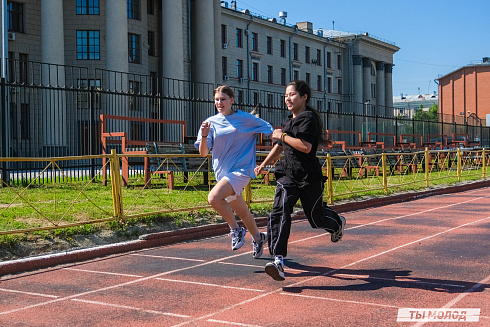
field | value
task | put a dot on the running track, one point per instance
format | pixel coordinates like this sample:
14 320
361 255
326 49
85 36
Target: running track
433 252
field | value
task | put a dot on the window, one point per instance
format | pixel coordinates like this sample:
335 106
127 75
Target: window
255 42
308 78
15 19
329 85
134 9
373 91
88 7
319 105
134 48
283 48
25 121
319 57
224 39
296 74
283 76
255 71
373 68
307 55
269 45
134 100
339 62
239 38
88 45
318 82
339 86
83 97
23 68
270 75
150 7
240 97
239 68
151 44
256 98
295 51
329 60
224 65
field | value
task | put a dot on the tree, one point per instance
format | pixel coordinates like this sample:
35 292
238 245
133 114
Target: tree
431 115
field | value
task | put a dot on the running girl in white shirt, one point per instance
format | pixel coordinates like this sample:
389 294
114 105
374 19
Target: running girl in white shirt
232 136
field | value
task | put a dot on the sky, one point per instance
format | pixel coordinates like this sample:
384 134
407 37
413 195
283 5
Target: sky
435 37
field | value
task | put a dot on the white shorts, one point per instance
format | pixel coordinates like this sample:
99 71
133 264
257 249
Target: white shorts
237 182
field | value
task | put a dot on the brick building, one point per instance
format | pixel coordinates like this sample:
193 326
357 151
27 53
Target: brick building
465 91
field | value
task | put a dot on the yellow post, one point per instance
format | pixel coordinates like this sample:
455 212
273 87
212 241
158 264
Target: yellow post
484 164
385 175
427 167
116 185
460 160
329 179
247 194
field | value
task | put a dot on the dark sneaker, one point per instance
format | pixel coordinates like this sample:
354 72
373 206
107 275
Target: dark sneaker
237 238
275 269
337 236
258 247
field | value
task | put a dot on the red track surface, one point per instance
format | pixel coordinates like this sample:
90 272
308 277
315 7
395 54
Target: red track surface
432 252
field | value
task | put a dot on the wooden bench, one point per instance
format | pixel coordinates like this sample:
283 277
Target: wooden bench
187 162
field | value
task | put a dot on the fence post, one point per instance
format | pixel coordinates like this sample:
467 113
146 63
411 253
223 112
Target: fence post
116 185
484 165
3 126
427 158
329 179
460 160
247 194
385 177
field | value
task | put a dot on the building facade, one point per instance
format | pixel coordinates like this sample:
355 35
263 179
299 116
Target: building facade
145 55
464 92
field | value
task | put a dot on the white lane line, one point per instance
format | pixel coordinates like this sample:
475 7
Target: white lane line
339 300
388 219
103 272
131 308
28 293
164 257
262 267
221 260
193 320
231 323
460 297
208 284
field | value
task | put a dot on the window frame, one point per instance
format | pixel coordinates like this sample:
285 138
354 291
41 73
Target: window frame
87 50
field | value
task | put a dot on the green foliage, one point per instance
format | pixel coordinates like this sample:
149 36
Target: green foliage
431 115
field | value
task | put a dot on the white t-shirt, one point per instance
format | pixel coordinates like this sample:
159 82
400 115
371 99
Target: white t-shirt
232 139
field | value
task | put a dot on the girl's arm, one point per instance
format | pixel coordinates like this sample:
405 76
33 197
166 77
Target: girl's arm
298 144
270 159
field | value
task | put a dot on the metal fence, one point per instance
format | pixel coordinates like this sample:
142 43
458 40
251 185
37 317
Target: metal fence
51 111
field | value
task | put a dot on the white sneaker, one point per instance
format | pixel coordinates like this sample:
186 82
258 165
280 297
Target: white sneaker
337 236
237 238
258 247
275 269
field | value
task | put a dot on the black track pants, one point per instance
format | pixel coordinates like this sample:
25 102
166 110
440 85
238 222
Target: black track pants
318 213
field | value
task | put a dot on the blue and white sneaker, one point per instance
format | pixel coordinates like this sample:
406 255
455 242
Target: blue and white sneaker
337 236
258 247
275 269
237 238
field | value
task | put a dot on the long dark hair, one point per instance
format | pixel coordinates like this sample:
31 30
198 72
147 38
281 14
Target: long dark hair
303 88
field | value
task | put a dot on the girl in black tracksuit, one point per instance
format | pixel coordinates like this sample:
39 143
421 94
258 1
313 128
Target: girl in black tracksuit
299 176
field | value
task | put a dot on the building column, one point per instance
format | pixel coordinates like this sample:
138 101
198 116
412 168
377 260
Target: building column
53 74
203 53
380 88
172 48
217 44
366 79
389 87
357 77
117 44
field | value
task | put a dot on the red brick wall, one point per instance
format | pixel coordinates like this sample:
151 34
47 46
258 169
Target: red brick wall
467 89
